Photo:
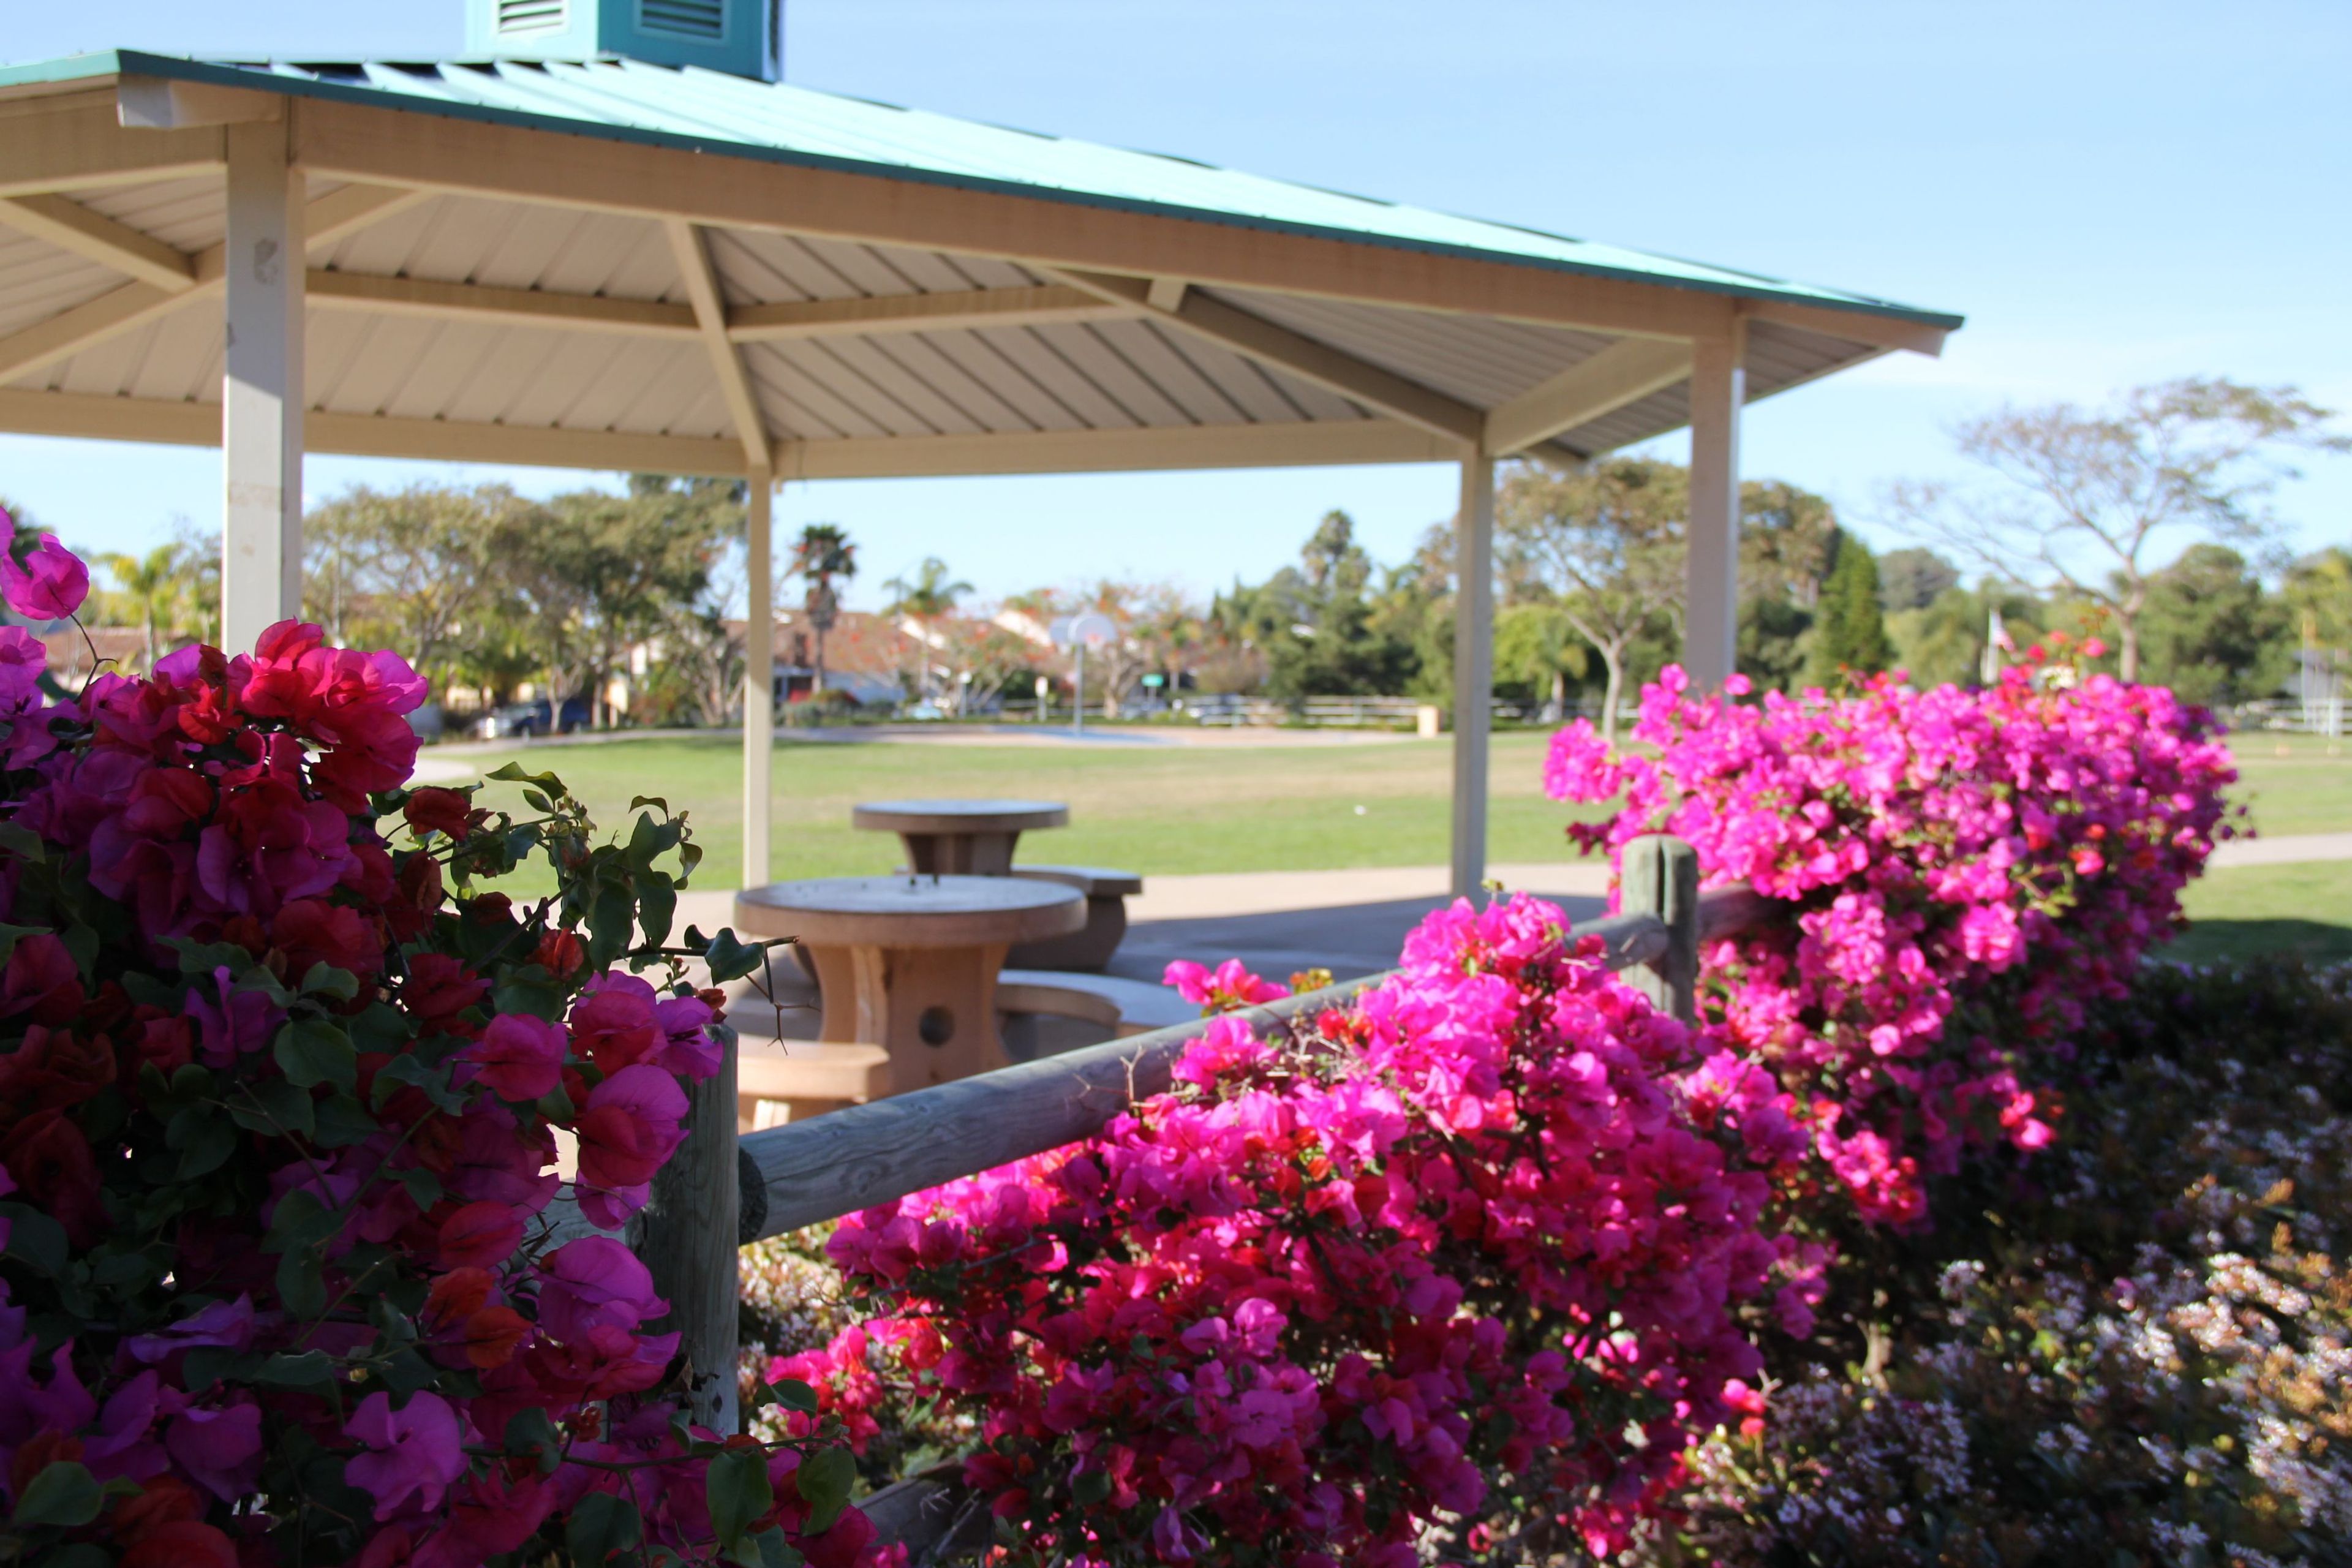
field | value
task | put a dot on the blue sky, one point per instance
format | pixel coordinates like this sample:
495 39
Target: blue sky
2113 194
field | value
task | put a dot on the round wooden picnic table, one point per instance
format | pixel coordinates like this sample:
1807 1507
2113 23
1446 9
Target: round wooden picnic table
909 962
959 838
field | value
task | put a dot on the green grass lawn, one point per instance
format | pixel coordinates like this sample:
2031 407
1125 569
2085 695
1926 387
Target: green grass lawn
1156 810
1169 810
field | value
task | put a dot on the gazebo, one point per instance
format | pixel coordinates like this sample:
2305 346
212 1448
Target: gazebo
613 239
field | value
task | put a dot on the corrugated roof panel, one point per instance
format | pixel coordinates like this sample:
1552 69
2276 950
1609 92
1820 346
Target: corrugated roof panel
841 402
1241 382
1144 345
187 215
1471 359
1082 346
985 360
681 398
729 114
1037 354
37 281
982 398
873 360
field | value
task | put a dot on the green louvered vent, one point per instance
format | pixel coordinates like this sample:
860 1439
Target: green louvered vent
704 20
530 16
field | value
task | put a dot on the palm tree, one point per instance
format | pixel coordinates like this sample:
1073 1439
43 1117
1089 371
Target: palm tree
821 554
926 597
153 582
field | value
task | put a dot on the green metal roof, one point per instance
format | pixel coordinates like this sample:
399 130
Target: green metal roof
709 111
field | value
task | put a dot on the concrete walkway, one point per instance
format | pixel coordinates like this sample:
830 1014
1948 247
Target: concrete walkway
2287 849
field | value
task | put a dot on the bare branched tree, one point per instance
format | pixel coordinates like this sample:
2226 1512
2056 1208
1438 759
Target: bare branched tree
2078 498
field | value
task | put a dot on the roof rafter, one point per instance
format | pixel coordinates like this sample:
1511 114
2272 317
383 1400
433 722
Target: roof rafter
1623 373
691 245
1017 307
69 226
1297 444
515 306
1256 338
133 305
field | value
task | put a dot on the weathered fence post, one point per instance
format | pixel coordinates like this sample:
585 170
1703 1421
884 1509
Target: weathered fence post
1660 876
687 1237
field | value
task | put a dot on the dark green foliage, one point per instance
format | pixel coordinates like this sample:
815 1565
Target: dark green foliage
2209 632
1849 633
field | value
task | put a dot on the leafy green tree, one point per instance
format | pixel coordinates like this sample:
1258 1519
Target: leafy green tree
1538 647
1914 579
1943 642
1851 633
598 572
1606 545
1313 622
415 569
152 588
2211 633
1787 537
822 556
2078 500
925 598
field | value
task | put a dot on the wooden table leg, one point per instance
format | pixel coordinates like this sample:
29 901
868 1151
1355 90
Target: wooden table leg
960 854
933 1009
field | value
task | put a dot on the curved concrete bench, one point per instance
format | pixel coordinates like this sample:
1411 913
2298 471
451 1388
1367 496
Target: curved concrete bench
1106 892
1048 1010
777 1081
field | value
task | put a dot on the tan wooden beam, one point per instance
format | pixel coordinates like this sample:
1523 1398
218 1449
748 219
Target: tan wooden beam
133 305
943 312
511 307
69 226
1296 354
692 249
1620 374
160 103
387 146
81 146
190 423
1853 326
1300 445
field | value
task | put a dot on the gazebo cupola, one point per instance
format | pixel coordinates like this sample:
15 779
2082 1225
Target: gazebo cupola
742 38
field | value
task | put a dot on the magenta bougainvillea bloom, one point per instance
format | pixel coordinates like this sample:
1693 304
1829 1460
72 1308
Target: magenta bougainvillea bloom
48 583
279 1097
1963 872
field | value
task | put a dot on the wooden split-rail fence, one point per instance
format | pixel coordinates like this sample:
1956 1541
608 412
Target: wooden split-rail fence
804 1173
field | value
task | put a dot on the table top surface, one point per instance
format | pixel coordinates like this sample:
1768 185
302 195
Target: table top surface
959 815
911 911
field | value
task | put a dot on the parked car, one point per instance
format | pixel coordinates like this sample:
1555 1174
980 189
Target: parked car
527 720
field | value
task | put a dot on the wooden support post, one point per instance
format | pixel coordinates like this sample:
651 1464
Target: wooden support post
1660 877
1474 668
1718 385
261 390
687 1236
759 682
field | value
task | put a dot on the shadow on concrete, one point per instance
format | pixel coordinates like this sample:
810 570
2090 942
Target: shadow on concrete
1348 940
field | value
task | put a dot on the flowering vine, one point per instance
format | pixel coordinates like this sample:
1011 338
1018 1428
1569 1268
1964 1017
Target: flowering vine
1453 1263
1963 871
285 1276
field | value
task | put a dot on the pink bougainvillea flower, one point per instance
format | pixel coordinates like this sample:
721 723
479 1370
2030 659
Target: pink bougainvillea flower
220 1448
595 1283
613 1023
627 1130
49 584
519 1056
414 1454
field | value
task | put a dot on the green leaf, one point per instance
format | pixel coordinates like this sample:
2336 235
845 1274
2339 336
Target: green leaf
410 1069
323 979
277 1107
204 1138
732 959
424 1186
300 1220
556 1105
35 1239
11 935
793 1394
63 1495
383 1027
515 773
313 1051
657 907
611 915
530 989
825 1479
285 1371
22 842
301 1285
203 957
1090 1486
736 1488
343 1120
600 1525
641 801
530 1431
207 1364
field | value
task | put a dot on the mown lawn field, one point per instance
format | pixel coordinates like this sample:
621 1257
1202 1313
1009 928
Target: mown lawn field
1168 810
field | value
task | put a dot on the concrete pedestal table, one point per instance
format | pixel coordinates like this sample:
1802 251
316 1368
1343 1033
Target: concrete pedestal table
959 838
910 963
